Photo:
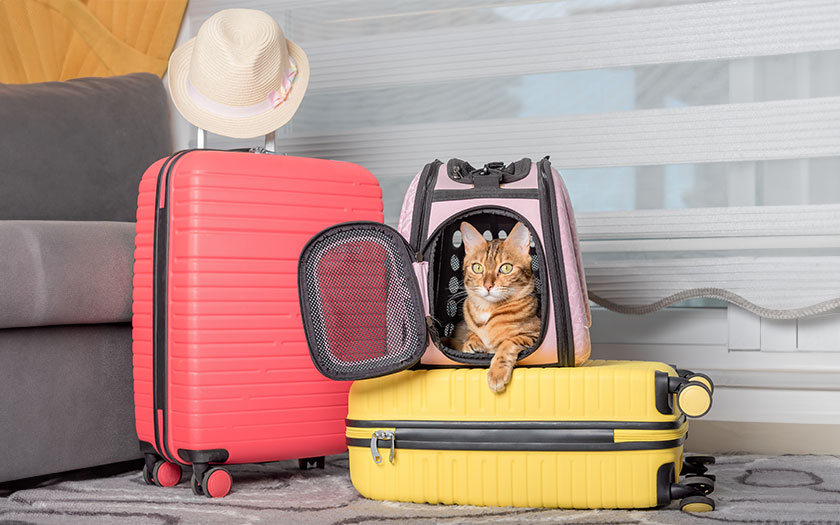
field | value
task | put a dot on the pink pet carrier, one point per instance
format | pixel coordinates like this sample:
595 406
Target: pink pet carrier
375 300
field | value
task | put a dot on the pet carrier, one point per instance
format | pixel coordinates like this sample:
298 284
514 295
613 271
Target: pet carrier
376 300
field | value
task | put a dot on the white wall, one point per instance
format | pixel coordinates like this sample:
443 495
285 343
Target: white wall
783 372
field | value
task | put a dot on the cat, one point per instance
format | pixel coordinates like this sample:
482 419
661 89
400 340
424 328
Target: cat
500 312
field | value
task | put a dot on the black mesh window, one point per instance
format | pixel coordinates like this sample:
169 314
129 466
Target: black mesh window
445 253
360 303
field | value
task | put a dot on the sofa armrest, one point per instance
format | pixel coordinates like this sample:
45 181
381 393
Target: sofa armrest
65 272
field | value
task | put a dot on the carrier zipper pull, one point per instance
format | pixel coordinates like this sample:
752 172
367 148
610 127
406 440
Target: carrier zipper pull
385 435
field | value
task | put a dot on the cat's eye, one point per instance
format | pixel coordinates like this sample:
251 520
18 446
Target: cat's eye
477 268
506 268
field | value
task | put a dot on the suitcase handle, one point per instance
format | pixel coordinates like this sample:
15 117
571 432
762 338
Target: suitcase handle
201 140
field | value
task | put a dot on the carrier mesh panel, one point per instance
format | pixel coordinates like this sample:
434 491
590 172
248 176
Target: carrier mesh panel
363 315
446 256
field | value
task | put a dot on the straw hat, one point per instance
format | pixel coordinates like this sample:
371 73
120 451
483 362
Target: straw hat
239 77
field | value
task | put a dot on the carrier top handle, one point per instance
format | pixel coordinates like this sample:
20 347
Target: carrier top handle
201 140
490 176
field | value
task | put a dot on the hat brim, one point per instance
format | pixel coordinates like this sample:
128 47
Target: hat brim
239 128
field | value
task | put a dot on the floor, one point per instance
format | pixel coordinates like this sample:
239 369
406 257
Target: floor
750 489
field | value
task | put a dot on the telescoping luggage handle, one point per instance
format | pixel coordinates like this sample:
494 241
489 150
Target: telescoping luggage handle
360 301
269 147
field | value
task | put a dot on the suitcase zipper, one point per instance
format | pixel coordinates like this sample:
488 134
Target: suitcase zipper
519 436
630 435
160 251
384 435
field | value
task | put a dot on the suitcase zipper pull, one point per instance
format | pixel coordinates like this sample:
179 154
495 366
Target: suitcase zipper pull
384 435
262 150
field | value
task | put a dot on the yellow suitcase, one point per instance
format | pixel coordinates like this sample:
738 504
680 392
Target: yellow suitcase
608 434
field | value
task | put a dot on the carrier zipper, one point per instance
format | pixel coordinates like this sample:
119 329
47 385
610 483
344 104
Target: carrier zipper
560 294
420 218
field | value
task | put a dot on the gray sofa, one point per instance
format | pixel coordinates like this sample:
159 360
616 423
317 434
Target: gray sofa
71 157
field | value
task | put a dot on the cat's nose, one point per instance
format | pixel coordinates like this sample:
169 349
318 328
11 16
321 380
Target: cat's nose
488 286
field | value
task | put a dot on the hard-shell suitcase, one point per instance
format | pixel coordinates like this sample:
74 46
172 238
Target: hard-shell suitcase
222 372
608 434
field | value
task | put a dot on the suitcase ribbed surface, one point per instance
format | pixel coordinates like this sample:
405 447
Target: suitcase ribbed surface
597 391
239 373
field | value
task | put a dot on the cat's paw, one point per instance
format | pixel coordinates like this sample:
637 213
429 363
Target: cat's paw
498 377
473 345
472 348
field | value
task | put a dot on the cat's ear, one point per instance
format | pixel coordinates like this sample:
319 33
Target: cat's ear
519 238
473 240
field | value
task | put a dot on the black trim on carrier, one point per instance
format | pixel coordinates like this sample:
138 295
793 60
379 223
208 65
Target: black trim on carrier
553 251
406 256
518 425
422 203
485 193
483 359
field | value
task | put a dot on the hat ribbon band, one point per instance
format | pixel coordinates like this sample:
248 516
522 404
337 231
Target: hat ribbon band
274 99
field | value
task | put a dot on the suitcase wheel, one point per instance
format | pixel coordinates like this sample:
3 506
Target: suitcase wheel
195 486
164 474
147 476
217 482
697 504
308 463
705 484
703 379
694 399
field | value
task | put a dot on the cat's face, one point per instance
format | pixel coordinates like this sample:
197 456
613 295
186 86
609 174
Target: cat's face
498 270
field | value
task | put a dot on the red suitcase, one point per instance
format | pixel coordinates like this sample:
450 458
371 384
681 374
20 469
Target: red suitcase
222 372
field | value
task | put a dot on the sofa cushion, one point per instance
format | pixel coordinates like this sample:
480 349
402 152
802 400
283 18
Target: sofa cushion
65 272
67 402
76 150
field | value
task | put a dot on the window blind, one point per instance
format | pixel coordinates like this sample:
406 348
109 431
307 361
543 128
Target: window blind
699 139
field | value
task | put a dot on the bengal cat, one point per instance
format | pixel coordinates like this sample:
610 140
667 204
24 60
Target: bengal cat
500 312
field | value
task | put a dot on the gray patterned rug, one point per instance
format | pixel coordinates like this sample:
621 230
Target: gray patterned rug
750 489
